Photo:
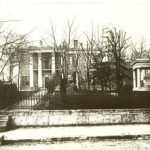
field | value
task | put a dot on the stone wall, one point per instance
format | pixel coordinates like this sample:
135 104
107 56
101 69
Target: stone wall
79 117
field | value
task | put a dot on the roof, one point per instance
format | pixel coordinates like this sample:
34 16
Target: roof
141 60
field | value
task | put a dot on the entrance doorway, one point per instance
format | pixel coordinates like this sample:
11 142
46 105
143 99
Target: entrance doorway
47 78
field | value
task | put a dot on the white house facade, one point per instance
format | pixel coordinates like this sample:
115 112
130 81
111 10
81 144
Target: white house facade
43 62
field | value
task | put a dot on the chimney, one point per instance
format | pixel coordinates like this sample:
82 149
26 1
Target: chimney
64 44
75 43
41 43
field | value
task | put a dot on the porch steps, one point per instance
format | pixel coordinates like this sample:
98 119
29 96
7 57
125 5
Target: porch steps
3 122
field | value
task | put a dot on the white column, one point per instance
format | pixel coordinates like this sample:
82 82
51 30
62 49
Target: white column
53 63
31 70
61 59
138 78
39 70
134 80
77 80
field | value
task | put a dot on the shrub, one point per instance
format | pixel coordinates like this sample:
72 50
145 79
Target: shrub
8 94
53 82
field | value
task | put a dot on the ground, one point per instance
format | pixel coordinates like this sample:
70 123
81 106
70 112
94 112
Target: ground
113 144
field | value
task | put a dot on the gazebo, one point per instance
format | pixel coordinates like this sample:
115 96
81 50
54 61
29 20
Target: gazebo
141 74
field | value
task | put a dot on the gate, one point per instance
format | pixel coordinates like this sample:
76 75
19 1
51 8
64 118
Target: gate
26 100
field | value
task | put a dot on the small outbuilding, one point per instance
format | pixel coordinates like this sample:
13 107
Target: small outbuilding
141 74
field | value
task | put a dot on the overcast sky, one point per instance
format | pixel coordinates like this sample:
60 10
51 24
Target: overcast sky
132 16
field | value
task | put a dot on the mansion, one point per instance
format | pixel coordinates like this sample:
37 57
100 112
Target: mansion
41 63
38 65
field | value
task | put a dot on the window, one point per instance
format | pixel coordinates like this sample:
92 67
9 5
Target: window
46 61
25 81
147 73
35 61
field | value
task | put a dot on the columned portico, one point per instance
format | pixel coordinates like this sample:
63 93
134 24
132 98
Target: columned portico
42 64
39 70
31 70
141 75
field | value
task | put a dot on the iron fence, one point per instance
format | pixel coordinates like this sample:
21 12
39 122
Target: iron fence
81 100
26 100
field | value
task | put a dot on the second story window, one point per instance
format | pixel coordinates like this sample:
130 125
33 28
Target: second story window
35 61
46 61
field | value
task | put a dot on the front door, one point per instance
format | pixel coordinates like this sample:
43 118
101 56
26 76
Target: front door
46 81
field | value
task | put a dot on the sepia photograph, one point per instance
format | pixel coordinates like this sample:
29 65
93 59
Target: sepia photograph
74 74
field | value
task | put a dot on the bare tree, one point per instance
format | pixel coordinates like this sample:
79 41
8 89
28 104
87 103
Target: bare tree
21 58
139 50
97 59
12 54
7 52
64 50
117 45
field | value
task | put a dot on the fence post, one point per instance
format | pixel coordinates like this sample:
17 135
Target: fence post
49 99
